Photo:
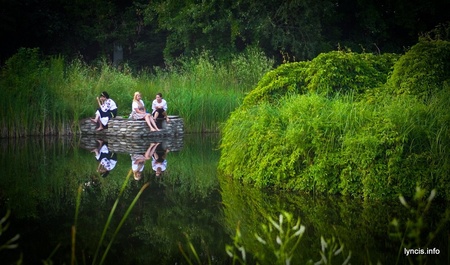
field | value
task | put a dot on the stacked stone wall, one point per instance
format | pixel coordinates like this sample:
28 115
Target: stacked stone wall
123 127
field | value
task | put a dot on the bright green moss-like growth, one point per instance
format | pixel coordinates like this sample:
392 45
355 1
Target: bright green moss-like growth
423 69
328 74
322 126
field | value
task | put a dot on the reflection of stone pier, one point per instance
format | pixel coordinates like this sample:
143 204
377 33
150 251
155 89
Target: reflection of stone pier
131 145
123 127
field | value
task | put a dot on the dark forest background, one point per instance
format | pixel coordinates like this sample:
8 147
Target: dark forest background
151 33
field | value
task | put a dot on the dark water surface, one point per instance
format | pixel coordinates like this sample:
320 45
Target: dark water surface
40 178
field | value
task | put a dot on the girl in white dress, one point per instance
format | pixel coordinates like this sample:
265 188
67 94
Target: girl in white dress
107 110
138 112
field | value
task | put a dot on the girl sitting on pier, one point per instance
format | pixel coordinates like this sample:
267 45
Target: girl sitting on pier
159 107
107 109
138 112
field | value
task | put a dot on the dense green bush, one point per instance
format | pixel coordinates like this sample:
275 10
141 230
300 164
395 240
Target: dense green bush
331 73
423 69
360 143
287 78
343 72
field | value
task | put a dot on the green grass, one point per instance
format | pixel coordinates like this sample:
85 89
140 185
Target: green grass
48 95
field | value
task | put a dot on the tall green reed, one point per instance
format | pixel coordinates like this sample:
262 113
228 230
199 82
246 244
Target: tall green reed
12 242
48 95
4 225
98 254
20 80
39 98
203 90
279 240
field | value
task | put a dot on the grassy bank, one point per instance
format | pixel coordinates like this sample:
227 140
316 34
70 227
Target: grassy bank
48 95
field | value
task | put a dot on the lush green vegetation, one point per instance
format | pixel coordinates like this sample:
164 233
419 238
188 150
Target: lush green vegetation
344 123
48 95
356 124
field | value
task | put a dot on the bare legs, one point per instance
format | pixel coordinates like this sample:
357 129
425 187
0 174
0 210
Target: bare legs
164 114
167 117
100 126
97 116
148 118
99 123
151 123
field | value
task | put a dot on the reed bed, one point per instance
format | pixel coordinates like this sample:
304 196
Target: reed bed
48 95
203 91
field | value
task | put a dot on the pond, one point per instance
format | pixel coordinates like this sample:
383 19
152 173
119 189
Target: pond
186 203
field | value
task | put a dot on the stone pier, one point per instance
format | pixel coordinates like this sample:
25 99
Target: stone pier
124 127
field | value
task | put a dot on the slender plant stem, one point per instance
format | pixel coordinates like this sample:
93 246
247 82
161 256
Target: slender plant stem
74 226
122 221
110 216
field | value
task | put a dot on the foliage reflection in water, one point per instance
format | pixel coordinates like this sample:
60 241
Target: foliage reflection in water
367 229
187 203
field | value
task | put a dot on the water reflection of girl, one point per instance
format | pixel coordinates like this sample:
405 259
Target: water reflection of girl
138 161
159 162
107 160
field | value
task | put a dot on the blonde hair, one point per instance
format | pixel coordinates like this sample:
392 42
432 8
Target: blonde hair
137 175
137 93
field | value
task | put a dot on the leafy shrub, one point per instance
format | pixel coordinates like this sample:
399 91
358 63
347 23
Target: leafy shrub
344 72
422 70
328 74
287 78
328 135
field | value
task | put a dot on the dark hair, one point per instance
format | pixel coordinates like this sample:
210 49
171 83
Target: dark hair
105 174
159 94
104 94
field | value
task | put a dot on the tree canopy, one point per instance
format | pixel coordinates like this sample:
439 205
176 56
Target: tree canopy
151 32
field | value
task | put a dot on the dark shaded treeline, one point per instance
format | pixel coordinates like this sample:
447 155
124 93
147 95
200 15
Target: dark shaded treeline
151 32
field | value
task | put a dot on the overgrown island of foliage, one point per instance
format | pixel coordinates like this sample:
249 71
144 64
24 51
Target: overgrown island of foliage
358 124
